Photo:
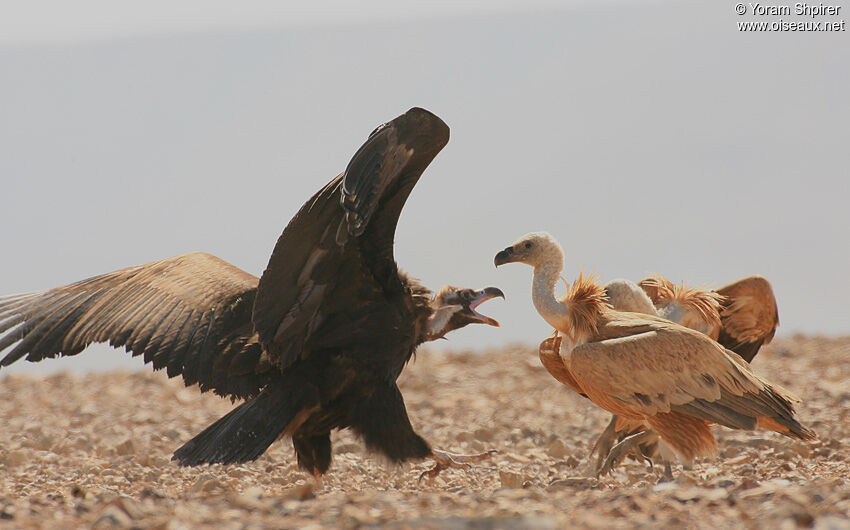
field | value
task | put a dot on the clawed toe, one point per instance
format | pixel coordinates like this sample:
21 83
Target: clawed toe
444 460
618 453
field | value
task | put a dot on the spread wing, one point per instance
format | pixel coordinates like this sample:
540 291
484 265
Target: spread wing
749 315
331 273
653 367
189 314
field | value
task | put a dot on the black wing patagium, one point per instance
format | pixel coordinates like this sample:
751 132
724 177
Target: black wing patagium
313 345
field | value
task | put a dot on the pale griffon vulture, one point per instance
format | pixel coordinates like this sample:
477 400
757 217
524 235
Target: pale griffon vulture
742 316
647 369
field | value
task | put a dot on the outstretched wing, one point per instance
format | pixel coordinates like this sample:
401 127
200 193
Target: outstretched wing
749 315
659 367
330 274
189 314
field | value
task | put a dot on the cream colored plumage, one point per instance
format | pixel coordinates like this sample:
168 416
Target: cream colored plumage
648 369
742 316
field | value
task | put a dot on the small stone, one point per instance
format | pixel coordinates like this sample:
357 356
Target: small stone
152 493
685 479
557 449
299 493
746 484
78 491
803 519
483 435
245 501
509 479
15 458
822 452
205 483
127 447
131 507
112 517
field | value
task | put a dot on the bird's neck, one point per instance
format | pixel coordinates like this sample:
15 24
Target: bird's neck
553 311
439 323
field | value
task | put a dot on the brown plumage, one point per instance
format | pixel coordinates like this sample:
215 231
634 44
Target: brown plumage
647 369
749 315
313 345
741 316
695 308
189 314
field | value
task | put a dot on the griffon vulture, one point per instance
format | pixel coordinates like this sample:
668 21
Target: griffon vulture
647 369
742 316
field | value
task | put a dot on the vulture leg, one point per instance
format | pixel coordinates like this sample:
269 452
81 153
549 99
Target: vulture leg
629 445
314 454
380 419
444 460
604 443
668 472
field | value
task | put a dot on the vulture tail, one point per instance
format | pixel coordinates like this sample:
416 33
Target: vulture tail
243 434
789 427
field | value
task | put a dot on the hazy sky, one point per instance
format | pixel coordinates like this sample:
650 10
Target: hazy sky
647 137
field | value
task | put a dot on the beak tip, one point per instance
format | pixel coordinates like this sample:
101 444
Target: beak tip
492 292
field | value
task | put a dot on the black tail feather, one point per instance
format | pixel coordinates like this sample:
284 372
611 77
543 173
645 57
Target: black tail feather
243 434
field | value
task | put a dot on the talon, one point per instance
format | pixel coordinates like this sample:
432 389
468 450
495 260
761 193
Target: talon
604 443
619 452
444 460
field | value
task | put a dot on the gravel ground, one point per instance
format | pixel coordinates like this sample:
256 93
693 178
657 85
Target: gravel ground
80 452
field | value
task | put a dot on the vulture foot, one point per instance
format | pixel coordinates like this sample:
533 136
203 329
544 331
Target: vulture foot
618 453
444 460
668 473
604 444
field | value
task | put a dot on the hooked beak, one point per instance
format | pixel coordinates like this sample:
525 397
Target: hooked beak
504 256
481 297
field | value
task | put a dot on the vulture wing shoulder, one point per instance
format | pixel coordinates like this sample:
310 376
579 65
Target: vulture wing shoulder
749 315
649 365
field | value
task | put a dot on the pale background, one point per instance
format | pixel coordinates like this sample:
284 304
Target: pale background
646 136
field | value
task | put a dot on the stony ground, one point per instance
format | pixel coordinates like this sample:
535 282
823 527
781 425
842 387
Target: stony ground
94 452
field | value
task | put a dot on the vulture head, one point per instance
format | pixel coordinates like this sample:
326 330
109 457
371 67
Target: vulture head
454 308
535 249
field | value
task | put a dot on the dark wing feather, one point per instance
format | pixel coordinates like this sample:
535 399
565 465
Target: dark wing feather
373 168
190 314
332 271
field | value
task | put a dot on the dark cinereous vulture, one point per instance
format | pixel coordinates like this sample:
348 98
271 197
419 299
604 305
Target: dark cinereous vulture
315 344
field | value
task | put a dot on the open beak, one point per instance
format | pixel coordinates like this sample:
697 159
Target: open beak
504 256
481 297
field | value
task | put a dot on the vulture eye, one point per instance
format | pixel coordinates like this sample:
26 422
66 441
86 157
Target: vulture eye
528 245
